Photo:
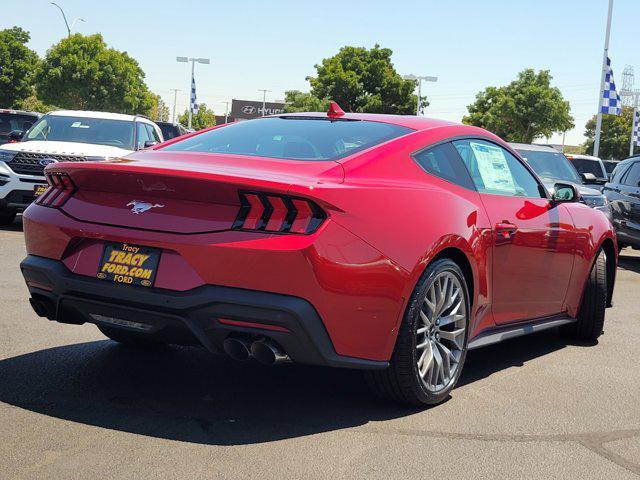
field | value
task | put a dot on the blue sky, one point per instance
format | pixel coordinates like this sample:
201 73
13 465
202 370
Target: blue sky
274 45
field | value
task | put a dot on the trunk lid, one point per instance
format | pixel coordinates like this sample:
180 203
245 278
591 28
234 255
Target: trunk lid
181 192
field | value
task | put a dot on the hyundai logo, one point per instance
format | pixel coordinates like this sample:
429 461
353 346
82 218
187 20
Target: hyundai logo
249 109
46 161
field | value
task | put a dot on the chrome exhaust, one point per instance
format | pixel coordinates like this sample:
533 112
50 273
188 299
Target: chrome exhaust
237 348
268 352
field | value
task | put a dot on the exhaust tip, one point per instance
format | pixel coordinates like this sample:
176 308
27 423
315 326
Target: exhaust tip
268 353
237 348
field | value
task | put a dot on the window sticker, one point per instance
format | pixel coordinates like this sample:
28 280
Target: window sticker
493 168
78 125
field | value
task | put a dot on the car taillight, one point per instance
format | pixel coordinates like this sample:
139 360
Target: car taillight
60 189
266 212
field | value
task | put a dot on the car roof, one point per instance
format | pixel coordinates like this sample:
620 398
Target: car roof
533 147
19 112
103 115
409 121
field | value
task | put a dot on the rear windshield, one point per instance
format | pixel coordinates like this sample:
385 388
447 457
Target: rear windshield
292 138
584 165
100 131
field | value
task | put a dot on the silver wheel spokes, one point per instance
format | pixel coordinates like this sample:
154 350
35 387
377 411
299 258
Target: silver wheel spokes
441 331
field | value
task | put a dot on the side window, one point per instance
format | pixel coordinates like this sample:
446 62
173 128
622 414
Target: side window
153 134
143 134
633 177
495 170
442 161
618 173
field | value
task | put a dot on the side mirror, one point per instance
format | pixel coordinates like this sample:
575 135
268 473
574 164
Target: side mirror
16 135
565 193
150 143
588 177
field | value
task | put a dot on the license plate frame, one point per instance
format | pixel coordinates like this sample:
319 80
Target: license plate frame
129 264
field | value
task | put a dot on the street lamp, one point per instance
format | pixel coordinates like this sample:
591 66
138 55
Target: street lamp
64 17
264 99
193 61
419 79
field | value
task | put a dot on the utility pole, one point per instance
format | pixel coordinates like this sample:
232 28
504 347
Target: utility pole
226 112
418 79
175 100
193 61
605 55
264 99
64 17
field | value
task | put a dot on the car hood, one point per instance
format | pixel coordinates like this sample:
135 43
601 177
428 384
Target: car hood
66 148
582 190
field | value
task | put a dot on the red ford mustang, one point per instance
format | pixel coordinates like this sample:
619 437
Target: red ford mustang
392 244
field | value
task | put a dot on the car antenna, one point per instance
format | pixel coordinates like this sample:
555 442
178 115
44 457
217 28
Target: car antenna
334 110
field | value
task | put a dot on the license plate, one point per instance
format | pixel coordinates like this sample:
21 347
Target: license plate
39 189
129 264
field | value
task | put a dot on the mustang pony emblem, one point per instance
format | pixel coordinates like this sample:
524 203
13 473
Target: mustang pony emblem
138 206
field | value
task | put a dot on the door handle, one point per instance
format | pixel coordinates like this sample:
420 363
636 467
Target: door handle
505 229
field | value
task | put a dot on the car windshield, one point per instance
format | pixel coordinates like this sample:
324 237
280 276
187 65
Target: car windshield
168 130
15 121
551 165
609 166
585 165
295 138
100 131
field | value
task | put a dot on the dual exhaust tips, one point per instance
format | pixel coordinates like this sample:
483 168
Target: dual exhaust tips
265 351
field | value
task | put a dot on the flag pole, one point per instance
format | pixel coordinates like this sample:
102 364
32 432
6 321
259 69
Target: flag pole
596 143
633 121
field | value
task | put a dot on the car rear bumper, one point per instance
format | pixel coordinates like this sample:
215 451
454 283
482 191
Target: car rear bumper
179 317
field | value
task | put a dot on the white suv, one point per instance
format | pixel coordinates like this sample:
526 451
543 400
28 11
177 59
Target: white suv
66 136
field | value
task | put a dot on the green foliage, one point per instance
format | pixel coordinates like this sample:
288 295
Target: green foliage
615 135
297 101
81 72
159 110
17 66
34 104
526 109
205 118
362 80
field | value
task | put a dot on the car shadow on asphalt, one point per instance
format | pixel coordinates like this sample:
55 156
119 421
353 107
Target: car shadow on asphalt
16 226
188 395
627 262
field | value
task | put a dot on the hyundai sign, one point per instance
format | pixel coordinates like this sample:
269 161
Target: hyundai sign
247 109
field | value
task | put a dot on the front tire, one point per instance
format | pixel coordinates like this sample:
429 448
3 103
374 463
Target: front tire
590 321
432 342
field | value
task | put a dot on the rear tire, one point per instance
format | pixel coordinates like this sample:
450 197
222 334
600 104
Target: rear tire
7 217
590 321
131 339
402 381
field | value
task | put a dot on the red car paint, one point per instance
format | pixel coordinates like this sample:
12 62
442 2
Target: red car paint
386 220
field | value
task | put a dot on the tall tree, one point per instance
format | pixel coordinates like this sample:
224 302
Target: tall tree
81 72
526 109
297 101
17 65
159 110
205 118
615 136
363 80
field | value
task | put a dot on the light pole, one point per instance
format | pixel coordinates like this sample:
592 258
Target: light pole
193 61
64 17
419 80
226 112
264 99
596 142
175 99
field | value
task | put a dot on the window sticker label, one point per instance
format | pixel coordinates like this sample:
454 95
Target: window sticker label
493 167
78 125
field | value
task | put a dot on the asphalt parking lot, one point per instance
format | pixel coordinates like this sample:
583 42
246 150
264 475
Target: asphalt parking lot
76 406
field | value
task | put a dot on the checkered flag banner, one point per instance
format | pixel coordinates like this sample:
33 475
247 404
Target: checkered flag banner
636 128
193 104
611 103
